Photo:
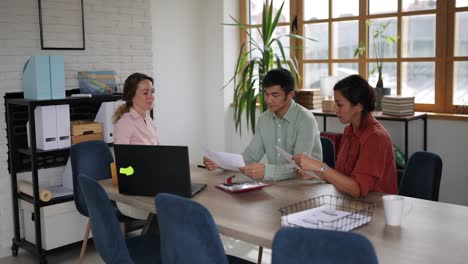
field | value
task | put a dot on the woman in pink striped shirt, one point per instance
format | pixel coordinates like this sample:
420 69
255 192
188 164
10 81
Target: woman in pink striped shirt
132 124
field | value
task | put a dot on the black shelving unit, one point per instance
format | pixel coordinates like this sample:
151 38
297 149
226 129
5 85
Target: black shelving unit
23 158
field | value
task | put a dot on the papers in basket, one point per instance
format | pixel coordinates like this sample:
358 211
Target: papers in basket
324 217
224 160
288 157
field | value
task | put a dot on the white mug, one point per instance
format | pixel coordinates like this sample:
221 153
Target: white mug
393 207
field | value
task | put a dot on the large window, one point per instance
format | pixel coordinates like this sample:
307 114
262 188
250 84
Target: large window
429 60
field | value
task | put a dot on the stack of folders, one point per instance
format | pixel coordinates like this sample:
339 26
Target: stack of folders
309 98
398 105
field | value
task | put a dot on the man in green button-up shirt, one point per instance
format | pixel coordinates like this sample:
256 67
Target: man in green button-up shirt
285 124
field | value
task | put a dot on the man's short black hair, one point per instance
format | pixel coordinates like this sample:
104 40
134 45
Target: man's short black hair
281 77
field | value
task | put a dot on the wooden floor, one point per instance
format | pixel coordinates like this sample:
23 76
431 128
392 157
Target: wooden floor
70 256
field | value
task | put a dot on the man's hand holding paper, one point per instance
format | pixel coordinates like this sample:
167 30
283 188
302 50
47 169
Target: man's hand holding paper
224 160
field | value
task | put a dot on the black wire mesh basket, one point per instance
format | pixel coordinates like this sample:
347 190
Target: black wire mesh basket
328 212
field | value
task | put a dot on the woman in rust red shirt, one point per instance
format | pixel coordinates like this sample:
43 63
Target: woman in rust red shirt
366 162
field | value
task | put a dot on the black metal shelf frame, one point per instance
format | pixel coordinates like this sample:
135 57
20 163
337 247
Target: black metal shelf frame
15 151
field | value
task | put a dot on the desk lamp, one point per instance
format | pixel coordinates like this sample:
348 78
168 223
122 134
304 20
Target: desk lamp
326 91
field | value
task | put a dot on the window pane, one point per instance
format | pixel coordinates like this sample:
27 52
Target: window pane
417 79
379 6
413 5
285 14
460 83
418 36
461 38
344 8
389 76
312 74
462 3
280 31
255 15
343 70
316 49
391 30
256 8
312 10
345 39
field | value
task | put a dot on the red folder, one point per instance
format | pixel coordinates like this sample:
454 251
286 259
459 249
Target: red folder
239 187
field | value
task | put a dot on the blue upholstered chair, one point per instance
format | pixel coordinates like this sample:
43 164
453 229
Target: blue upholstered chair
328 152
108 238
301 245
188 233
92 158
421 178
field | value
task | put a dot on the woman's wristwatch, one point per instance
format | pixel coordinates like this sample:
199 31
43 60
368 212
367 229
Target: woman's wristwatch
324 167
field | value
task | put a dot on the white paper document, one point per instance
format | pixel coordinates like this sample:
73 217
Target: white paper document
324 217
288 157
227 161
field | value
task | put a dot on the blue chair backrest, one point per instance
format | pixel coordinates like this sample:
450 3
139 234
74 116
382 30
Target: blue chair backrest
107 235
300 245
92 158
421 178
187 231
328 151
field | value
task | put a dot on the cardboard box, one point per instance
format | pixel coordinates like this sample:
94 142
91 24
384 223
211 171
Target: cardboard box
88 137
61 224
81 127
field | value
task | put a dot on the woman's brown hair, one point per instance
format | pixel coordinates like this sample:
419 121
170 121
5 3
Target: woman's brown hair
129 90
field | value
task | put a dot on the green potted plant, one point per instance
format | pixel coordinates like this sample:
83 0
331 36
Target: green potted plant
380 39
250 70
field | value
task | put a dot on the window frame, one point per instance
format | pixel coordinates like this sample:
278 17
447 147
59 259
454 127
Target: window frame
444 59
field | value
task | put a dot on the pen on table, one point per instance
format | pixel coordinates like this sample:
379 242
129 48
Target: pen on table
201 166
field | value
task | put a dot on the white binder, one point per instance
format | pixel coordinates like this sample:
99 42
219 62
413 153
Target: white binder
63 125
46 127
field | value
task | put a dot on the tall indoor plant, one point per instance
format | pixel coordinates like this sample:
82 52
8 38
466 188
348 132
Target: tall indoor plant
380 38
250 69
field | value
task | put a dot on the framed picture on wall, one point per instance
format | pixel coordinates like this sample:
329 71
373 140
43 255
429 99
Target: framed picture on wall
61 24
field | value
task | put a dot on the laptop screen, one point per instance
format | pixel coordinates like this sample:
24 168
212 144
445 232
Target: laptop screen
148 170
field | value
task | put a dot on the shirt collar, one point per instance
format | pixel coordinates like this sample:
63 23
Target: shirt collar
367 120
290 115
134 114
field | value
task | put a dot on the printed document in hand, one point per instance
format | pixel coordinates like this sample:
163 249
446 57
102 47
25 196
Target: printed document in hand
288 157
227 161
324 217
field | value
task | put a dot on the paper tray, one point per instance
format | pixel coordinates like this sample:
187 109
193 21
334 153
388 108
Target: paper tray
353 212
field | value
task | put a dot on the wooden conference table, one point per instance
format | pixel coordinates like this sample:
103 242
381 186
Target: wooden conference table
432 232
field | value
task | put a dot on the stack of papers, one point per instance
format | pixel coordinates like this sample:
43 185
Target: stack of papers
324 217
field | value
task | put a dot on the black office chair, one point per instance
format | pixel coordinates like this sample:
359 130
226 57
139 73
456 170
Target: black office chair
328 151
421 178
301 245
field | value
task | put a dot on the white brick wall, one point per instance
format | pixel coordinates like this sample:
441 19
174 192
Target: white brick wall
118 37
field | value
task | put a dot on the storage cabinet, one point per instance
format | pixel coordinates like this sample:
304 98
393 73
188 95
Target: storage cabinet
19 112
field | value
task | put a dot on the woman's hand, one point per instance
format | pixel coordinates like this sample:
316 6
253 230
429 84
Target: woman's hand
307 163
209 164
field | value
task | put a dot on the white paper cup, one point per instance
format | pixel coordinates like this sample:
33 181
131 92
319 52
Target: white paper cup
393 207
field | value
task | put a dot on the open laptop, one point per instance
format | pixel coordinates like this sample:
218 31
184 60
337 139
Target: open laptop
148 170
